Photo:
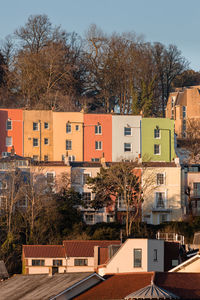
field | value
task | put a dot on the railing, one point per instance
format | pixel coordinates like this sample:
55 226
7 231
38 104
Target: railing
170 237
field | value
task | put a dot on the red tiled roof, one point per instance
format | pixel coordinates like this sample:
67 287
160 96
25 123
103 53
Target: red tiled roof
117 286
56 251
184 285
83 248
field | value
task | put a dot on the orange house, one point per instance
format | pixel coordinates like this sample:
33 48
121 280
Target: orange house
11 133
97 137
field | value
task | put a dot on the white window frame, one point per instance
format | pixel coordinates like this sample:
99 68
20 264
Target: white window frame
126 127
164 199
35 126
9 121
46 139
159 149
156 131
47 156
130 147
34 140
184 112
86 173
54 175
98 130
9 144
77 127
45 125
68 128
72 158
160 173
98 145
69 143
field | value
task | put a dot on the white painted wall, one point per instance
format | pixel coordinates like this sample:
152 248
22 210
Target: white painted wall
118 137
123 260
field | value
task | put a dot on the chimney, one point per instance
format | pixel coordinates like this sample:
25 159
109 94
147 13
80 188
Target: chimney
96 256
103 161
66 159
12 151
50 272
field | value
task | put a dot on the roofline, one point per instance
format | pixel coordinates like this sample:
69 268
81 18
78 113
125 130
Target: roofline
76 284
185 263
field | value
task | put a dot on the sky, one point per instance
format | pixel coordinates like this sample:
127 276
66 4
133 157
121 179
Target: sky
166 21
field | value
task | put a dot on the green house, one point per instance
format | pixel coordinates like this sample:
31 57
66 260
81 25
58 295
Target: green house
157 139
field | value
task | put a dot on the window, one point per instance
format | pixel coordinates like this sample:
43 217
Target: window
137 258
156 133
163 218
57 262
8 141
89 219
46 125
80 262
35 157
50 178
160 200
196 188
172 115
77 127
98 145
35 142
184 128
22 202
35 126
172 103
160 178
3 185
98 129
68 145
155 255
127 147
121 202
95 159
184 112
71 158
68 128
86 196
85 178
46 141
127 131
157 149
8 125
46 157
3 200
37 262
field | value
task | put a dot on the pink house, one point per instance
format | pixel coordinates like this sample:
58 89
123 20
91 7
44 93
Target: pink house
97 137
11 133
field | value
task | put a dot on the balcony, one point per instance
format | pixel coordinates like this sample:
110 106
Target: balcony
161 207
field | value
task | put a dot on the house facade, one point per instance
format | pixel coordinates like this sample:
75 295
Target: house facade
126 137
183 105
68 136
161 185
142 255
38 134
158 139
71 257
11 131
97 137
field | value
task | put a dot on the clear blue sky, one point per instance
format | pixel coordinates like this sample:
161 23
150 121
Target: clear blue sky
165 21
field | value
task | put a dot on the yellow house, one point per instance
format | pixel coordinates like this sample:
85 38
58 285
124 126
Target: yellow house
38 134
68 136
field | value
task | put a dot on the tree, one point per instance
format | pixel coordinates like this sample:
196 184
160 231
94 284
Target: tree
169 63
118 181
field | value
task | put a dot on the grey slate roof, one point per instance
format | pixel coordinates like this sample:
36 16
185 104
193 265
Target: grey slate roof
152 292
40 287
